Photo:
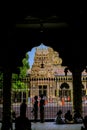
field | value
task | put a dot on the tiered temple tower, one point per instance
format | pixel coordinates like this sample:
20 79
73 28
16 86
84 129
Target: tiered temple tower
47 76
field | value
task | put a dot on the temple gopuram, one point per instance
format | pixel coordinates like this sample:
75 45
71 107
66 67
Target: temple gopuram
47 77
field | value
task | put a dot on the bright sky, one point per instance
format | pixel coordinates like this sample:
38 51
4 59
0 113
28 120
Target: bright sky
32 53
31 56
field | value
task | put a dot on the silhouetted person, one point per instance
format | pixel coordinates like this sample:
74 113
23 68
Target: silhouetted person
77 117
23 107
59 119
68 117
35 108
42 103
22 122
84 123
13 115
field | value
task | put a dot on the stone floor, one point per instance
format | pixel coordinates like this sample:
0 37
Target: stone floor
53 126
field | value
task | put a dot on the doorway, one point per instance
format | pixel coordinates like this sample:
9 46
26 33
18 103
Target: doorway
43 90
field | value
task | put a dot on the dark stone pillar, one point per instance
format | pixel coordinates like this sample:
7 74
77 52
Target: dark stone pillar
7 75
77 90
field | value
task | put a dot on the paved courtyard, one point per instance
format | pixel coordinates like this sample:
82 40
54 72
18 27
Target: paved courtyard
53 126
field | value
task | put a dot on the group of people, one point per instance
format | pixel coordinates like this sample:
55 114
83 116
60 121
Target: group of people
22 122
35 108
68 118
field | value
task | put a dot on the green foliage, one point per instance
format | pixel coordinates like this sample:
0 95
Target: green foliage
19 85
23 71
25 67
15 76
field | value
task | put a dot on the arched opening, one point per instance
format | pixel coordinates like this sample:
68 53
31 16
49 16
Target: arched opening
47 85
43 81
65 92
64 85
62 27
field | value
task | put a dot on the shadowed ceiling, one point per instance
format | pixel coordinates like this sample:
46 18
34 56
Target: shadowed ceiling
62 27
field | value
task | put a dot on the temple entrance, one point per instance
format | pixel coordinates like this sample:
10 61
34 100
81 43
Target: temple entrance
66 94
43 90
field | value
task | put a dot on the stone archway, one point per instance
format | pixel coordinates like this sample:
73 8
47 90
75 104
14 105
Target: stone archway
73 30
64 85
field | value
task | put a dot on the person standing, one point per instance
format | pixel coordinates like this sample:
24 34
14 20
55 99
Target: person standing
23 107
35 108
42 103
22 122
